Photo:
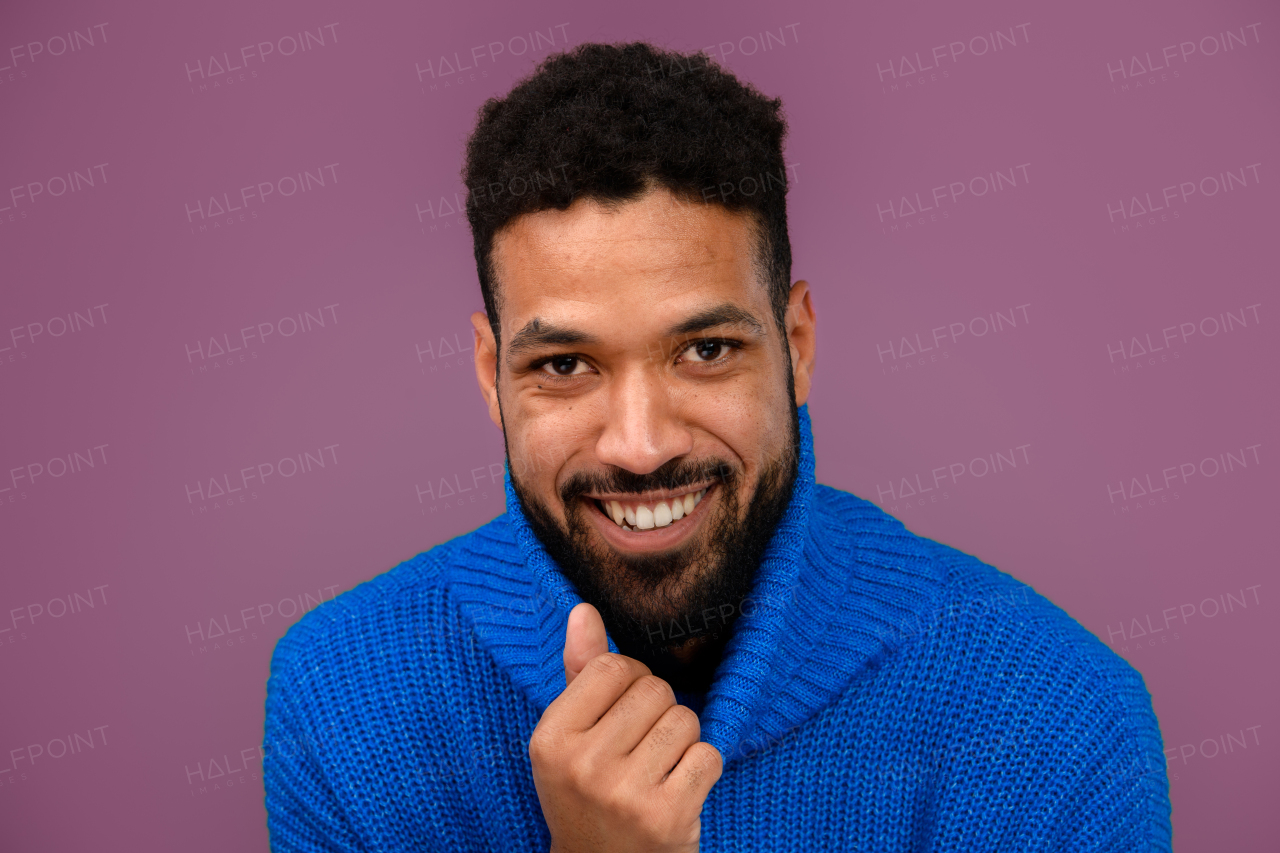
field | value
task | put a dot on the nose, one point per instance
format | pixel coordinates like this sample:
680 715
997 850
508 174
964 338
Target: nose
643 428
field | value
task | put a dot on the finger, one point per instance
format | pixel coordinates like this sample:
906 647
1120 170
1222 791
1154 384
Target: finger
666 743
692 778
631 718
593 692
584 639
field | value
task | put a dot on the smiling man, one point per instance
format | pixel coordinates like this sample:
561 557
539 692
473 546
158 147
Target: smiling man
674 639
650 409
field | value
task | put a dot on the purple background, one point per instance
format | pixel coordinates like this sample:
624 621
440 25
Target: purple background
1080 109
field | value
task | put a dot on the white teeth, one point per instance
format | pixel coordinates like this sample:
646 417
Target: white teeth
648 517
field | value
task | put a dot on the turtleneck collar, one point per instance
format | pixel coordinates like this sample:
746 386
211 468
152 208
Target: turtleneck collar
790 654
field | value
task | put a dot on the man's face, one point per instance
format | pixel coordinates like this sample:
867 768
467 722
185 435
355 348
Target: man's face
644 390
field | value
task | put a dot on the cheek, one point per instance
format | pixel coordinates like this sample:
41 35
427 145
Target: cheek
735 428
542 438
758 441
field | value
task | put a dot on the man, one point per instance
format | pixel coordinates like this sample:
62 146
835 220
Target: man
674 639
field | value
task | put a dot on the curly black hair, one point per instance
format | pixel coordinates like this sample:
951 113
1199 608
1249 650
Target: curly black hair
609 122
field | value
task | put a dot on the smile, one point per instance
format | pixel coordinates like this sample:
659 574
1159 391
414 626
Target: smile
635 515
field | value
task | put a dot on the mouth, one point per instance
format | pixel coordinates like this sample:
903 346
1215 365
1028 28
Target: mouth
657 524
650 515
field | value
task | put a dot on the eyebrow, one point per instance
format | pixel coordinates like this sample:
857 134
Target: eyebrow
539 333
725 314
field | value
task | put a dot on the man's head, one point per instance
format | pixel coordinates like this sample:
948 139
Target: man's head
643 344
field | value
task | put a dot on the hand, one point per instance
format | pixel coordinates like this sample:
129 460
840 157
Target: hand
616 762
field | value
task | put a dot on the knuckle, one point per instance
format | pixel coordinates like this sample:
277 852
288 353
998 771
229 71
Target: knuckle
666 823
677 724
618 670
655 690
580 772
701 762
624 803
709 761
653 823
537 744
544 746
686 719
609 665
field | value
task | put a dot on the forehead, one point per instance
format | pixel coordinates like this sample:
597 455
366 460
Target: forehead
658 250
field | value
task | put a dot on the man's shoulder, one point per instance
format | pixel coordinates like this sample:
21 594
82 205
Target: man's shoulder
1003 677
379 614
976 603
1017 622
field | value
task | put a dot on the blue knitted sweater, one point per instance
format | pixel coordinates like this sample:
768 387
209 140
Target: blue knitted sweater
883 692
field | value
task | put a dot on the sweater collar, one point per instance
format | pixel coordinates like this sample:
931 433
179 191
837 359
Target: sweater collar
791 653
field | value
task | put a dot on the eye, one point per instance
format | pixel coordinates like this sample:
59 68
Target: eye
705 351
564 365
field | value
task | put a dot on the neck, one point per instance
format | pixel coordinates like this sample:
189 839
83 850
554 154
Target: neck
689 667
687 652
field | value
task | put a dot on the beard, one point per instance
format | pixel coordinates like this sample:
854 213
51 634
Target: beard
655 603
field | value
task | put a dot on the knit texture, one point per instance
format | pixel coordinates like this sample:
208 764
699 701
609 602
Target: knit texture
882 692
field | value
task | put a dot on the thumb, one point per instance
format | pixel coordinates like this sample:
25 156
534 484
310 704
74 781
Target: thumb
584 639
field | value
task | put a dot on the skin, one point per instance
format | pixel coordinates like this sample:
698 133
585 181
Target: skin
617 763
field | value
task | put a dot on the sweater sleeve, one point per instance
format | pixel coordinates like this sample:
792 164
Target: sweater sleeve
1120 801
304 813
1057 739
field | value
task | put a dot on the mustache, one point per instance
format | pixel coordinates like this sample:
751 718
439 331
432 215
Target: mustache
673 475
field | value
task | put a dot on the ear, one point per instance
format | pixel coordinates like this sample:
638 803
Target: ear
486 351
801 338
